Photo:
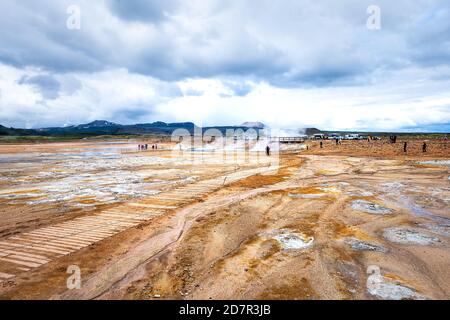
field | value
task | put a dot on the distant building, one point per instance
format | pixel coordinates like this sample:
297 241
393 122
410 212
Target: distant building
352 136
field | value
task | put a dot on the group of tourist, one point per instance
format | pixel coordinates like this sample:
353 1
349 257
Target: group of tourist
145 147
393 139
405 147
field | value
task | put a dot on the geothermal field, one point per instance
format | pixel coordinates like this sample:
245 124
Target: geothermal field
361 220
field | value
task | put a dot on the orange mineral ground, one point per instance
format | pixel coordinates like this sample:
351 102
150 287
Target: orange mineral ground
361 220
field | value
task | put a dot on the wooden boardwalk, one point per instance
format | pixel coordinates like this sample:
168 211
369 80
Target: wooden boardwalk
29 250
288 139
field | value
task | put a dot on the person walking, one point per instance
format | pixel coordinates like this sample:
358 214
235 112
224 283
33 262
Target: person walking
267 150
405 147
321 144
424 147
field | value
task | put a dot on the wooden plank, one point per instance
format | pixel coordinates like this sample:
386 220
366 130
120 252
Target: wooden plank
6 276
22 263
24 258
51 244
26 254
35 247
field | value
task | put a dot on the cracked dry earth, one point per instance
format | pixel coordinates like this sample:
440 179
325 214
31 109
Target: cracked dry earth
310 227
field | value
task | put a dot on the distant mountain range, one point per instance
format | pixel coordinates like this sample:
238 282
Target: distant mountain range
103 127
16 132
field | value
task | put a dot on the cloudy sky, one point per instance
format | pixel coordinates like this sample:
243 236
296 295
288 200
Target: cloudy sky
287 63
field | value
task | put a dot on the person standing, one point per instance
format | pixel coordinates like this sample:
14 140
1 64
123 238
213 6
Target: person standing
424 147
405 147
321 144
267 150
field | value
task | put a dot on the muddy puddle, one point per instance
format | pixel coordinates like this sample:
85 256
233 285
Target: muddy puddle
370 207
387 289
405 235
361 245
290 240
445 163
441 229
306 195
421 210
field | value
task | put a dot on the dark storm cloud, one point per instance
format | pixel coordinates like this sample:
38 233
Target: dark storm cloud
150 47
429 38
131 115
287 44
48 86
142 10
34 34
338 76
238 88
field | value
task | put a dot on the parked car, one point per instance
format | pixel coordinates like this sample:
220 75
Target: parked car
352 136
335 136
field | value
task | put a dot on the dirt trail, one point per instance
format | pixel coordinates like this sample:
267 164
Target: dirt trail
226 253
112 277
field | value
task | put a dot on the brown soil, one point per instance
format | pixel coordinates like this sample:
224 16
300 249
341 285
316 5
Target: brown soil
223 246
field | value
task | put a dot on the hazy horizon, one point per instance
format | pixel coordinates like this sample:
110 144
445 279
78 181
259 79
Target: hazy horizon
440 129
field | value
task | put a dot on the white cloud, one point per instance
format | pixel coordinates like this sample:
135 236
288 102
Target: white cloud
117 95
287 63
114 94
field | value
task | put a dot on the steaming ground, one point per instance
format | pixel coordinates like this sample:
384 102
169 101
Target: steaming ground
312 226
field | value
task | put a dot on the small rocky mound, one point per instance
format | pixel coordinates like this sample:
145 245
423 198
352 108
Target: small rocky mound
306 196
291 240
409 236
442 229
360 245
387 290
370 207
